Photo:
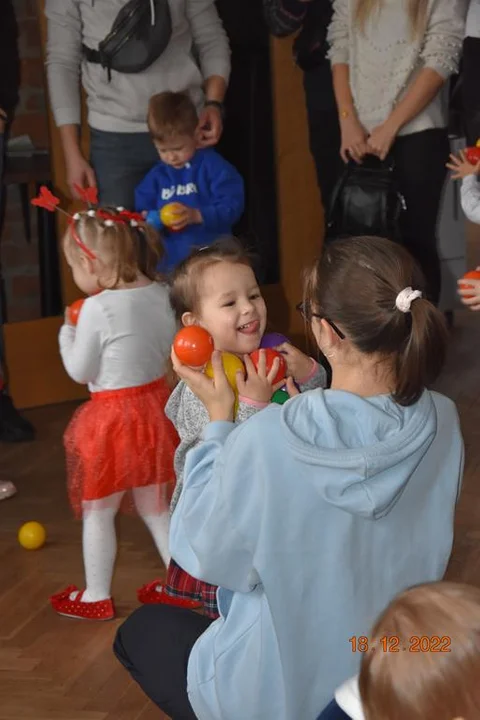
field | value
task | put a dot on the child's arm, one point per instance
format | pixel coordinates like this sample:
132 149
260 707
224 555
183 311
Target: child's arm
307 372
146 192
81 346
227 195
470 190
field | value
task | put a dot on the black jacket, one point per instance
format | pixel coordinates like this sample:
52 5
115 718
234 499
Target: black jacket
9 58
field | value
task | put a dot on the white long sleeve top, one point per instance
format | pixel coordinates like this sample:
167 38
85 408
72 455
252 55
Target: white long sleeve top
384 59
122 339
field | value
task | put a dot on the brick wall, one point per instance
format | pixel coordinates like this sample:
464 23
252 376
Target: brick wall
20 258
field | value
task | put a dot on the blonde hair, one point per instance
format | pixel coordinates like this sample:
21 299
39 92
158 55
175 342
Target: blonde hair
417 13
171 114
434 669
123 249
186 281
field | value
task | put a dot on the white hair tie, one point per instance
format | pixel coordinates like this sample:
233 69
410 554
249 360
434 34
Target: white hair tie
76 216
91 213
109 223
405 298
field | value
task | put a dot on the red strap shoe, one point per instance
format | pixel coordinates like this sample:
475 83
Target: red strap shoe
150 595
76 608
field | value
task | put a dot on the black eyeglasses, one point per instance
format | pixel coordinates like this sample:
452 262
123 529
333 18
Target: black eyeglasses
307 314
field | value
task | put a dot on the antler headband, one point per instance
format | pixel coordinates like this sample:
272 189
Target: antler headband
47 200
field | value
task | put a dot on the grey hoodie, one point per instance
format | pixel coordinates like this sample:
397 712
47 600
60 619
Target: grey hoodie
121 104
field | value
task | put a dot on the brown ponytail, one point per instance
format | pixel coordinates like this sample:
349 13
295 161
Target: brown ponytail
355 285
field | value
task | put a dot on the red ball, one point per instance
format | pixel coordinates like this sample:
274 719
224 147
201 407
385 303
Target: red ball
74 310
270 355
470 275
473 155
193 346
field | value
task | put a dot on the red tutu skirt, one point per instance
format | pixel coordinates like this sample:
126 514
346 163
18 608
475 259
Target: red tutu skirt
118 441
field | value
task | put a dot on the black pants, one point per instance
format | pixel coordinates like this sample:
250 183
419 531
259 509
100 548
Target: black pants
154 645
323 129
420 173
471 88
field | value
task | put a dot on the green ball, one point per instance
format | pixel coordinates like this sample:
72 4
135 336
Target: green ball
280 397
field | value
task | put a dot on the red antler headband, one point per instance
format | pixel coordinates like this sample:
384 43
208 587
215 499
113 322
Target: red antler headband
89 196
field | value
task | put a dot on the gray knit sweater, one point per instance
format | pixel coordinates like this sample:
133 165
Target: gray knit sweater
121 104
384 59
190 417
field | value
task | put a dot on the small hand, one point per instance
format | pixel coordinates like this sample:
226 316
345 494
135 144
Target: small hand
210 124
67 317
354 140
299 365
258 384
216 394
186 216
460 166
381 139
470 296
291 387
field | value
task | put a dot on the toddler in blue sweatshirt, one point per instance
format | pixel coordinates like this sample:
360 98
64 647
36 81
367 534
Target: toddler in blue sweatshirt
208 190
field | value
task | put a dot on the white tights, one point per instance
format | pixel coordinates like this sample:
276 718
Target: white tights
100 539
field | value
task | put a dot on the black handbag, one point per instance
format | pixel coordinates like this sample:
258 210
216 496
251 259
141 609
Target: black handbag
366 201
139 35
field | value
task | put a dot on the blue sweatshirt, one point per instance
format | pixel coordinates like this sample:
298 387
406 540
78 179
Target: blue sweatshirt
208 183
311 516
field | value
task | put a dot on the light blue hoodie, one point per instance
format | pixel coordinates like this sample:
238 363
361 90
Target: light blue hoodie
311 517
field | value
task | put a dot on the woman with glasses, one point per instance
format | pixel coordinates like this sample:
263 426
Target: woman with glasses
313 515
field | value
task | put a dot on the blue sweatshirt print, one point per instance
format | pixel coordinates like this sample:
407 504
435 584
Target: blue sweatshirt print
208 183
311 517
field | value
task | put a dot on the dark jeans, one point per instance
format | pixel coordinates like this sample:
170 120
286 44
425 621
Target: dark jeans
471 88
323 129
420 173
154 645
333 712
120 161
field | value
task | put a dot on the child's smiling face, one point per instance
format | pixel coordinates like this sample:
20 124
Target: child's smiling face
231 307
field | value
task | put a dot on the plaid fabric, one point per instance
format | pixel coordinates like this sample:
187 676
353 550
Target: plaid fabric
182 585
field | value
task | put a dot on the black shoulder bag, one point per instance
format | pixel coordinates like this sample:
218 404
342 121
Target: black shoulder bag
366 201
139 35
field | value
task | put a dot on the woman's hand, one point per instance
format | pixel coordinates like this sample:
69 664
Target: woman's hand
258 384
460 166
216 394
381 139
354 139
299 365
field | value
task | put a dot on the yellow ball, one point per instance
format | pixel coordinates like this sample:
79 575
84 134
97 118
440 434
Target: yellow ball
169 213
32 536
231 364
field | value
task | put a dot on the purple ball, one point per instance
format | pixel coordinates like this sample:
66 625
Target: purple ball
271 340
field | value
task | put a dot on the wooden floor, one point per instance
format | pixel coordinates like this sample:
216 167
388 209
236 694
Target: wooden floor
52 668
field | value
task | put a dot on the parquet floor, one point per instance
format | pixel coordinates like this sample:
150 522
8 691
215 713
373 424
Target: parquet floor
52 668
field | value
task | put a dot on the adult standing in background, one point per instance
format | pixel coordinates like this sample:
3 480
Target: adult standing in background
121 149
390 61
471 67
13 428
312 18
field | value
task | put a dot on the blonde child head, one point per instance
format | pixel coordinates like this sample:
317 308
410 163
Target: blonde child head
105 251
435 677
216 288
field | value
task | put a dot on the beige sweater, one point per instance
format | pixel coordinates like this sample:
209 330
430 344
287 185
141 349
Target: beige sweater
384 59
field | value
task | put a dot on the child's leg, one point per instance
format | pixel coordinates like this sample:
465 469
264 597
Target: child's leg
99 546
152 506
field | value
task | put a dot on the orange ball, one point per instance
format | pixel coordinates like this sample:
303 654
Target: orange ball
471 275
74 310
270 355
193 346
169 213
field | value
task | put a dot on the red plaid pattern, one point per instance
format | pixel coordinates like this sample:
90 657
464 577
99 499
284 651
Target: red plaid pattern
182 585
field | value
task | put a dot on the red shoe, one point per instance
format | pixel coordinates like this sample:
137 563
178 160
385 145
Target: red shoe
64 605
149 595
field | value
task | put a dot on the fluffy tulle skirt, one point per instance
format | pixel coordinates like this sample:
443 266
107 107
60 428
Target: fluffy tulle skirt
117 441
